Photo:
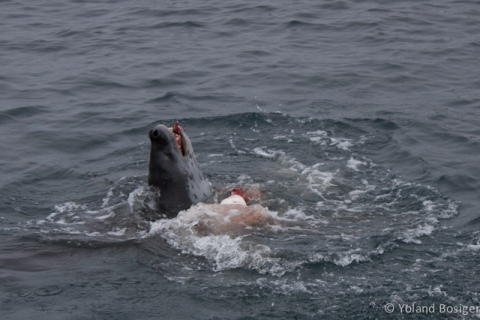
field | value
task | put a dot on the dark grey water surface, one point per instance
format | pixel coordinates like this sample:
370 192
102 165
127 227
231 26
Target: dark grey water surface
358 121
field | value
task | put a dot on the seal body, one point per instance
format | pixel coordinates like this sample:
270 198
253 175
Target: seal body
173 169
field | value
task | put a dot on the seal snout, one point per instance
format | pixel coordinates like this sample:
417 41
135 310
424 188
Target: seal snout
161 136
153 134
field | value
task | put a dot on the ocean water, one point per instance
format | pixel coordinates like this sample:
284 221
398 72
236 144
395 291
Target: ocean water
356 121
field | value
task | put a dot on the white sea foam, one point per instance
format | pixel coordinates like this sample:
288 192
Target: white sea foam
367 201
285 287
474 246
296 214
66 213
216 232
232 144
450 211
271 154
68 207
353 164
109 215
341 143
318 136
429 205
321 137
106 200
282 137
118 232
318 180
411 235
143 198
348 258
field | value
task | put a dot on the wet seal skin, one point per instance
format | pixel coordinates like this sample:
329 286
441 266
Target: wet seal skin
173 171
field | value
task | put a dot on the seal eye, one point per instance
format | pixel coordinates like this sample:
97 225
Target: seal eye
154 133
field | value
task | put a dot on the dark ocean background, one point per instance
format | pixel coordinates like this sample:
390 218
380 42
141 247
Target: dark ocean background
357 120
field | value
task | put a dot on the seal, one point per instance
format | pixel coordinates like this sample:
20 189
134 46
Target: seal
173 169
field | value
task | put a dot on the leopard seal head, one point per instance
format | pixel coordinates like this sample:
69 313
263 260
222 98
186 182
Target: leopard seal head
173 170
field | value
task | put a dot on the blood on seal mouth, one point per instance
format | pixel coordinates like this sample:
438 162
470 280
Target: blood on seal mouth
177 130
